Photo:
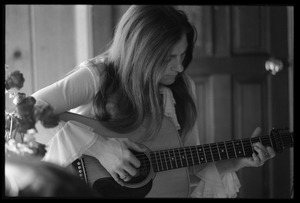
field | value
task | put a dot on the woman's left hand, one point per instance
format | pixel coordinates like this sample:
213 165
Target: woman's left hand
260 157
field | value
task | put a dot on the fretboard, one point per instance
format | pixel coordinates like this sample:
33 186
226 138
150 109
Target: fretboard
169 159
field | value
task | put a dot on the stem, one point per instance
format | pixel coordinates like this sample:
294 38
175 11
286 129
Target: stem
10 130
22 137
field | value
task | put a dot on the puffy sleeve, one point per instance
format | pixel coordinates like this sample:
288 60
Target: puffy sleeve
77 88
214 185
68 140
71 140
211 182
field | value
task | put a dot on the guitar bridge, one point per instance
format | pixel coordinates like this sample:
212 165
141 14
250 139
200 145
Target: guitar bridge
79 167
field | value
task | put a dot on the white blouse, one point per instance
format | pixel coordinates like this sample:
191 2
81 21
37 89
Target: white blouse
69 140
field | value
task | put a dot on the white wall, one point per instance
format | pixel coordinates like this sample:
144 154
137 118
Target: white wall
45 42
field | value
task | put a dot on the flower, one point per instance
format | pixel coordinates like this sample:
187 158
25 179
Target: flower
46 116
20 123
14 80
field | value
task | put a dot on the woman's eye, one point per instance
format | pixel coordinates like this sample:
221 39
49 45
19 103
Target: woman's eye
168 60
183 56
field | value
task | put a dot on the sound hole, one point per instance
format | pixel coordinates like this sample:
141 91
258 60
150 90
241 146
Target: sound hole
109 188
143 171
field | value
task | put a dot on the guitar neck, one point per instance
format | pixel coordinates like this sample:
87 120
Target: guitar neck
169 159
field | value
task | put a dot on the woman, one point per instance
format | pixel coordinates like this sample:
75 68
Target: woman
136 83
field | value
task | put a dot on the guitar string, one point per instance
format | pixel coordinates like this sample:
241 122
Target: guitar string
166 163
215 149
190 158
286 140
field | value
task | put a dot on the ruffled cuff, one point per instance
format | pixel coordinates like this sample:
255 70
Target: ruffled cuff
69 143
212 185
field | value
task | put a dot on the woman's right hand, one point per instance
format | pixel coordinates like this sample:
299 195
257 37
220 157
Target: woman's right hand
115 156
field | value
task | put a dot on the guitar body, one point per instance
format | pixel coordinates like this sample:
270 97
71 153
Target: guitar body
163 171
174 183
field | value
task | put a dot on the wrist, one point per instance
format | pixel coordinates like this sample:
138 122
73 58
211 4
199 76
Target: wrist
228 166
238 164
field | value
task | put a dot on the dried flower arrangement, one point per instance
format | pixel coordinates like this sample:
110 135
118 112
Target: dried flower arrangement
20 122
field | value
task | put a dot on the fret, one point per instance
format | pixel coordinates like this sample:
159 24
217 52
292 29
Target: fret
222 150
247 147
165 162
215 152
201 154
259 138
265 141
173 159
288 140
281 142
207 153
251 141
158 160
243 148
198 151
234 149
170 159
255 139
226 151
178 159
238 148
211 153
196 157
192 156
187 156
183 157
230 149
269 137
268 141
154 162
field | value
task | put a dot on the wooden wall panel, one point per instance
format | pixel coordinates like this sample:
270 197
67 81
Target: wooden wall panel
118 11
291 90
248 108
221 31
221 107
201 18
104 21
249 25
40 42
248 114
280 119
214 108
202 105
83 32
17 45
54 47
102 24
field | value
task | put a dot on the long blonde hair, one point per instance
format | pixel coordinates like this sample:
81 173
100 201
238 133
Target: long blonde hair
134 65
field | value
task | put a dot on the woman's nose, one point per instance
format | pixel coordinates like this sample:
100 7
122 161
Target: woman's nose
179 67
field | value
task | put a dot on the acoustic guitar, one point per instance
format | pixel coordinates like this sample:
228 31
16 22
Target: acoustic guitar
163 171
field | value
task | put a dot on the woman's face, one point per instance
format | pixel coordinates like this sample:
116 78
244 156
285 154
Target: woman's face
175 60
